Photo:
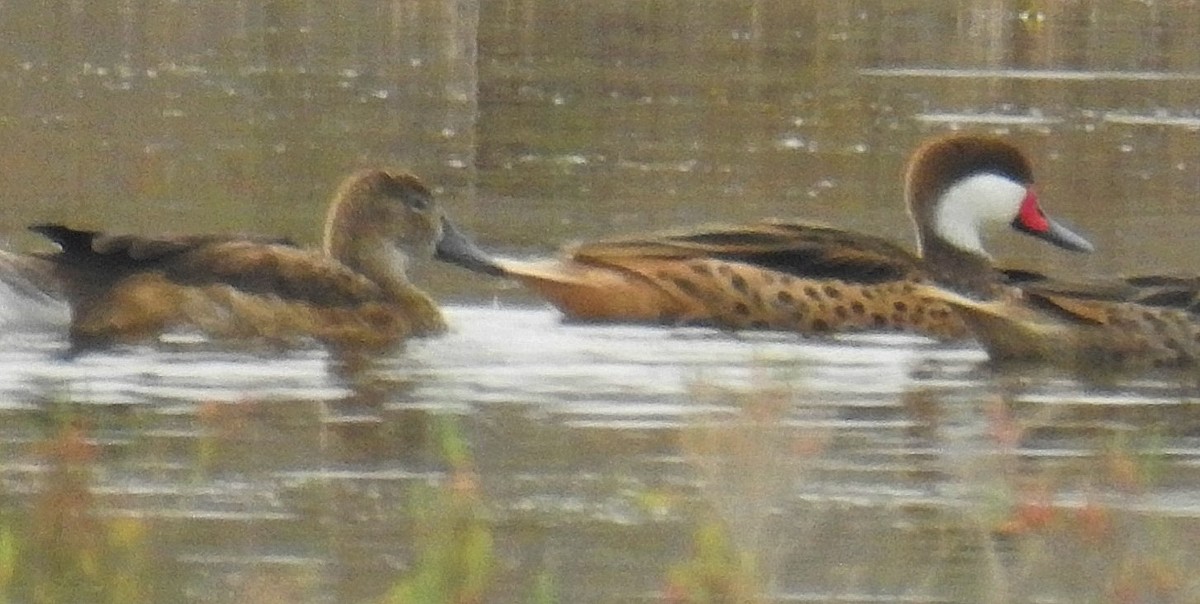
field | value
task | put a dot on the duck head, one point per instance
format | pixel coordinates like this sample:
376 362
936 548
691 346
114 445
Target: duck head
961 186
380 208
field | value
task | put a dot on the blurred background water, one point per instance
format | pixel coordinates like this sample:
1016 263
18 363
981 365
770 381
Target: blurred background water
597 463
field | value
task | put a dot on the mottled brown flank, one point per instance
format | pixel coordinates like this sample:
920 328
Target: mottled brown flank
738 296
731 295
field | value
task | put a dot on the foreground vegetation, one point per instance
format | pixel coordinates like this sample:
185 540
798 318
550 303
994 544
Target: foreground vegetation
1006 526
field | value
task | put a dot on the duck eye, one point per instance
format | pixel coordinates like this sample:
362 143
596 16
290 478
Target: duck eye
418 201
407 189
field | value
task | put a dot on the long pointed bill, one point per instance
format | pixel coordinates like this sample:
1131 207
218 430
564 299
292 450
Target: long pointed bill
456 248
1032 220
1066 238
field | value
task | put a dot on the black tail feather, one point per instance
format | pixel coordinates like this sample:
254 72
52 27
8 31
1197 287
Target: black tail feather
70 240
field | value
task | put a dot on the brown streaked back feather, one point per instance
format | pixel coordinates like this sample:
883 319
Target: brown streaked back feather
1166 291
798 249
1160 291
148 249
1067 308
94 246
288 272
253 264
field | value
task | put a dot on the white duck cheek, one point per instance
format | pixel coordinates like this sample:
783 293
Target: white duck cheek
974 205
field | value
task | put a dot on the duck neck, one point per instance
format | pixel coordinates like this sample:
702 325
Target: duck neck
385 265
964 271
948 226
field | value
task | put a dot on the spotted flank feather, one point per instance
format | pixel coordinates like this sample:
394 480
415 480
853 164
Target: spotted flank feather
782 276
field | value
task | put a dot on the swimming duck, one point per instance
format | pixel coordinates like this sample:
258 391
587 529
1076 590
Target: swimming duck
805 277
351 294
1151 321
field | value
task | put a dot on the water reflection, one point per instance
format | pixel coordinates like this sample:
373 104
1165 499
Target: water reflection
587 439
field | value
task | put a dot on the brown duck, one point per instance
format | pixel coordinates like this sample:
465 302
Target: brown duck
351 294
804 277
1138 322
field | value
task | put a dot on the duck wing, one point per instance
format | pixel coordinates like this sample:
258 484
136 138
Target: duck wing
1164 292
1150 300
1070 309
80 245
1167 291
1111 290
272 269
798 249
250 264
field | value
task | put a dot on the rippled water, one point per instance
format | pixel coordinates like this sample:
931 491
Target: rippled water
597 447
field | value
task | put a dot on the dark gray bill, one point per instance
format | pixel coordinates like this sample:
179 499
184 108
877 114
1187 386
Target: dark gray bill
1058 235
456 248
